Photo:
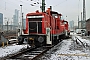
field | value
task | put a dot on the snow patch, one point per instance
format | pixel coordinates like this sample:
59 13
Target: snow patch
4 51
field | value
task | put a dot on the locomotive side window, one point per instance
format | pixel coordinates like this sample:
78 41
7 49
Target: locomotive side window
55 15
65 23
61 18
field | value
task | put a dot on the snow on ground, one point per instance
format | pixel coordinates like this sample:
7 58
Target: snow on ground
65 53
4 51
84 40
68 51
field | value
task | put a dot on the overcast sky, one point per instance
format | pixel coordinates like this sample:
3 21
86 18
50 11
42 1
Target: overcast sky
69 8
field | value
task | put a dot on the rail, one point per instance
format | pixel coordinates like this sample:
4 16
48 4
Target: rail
80 41
28 54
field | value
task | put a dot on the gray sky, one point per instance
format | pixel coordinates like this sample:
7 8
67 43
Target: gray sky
69 8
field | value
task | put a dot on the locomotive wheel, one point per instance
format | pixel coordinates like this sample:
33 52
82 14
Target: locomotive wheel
40 41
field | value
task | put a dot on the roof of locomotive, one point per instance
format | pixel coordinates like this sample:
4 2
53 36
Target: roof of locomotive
36 13
43 13
53 12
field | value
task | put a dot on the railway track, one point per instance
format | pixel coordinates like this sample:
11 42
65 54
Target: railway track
28 54
35 53
78 44
31 53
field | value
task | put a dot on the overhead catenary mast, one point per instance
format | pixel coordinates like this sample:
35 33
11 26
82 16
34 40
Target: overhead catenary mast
78 21
81 20
43 5
84 14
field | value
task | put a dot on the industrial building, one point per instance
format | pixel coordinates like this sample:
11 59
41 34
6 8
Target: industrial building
88 26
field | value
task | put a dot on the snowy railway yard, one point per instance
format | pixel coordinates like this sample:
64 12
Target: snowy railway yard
70 49
76 48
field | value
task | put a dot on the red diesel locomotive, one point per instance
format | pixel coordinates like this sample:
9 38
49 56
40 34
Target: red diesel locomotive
44 28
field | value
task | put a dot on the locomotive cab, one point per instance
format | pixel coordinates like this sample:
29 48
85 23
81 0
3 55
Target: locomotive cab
37 30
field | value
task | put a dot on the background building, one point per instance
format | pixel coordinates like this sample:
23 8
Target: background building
24 23
1 21
71 25
88 26
79 24
16 17
9 28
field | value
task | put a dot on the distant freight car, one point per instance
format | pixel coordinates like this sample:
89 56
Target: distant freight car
88 26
